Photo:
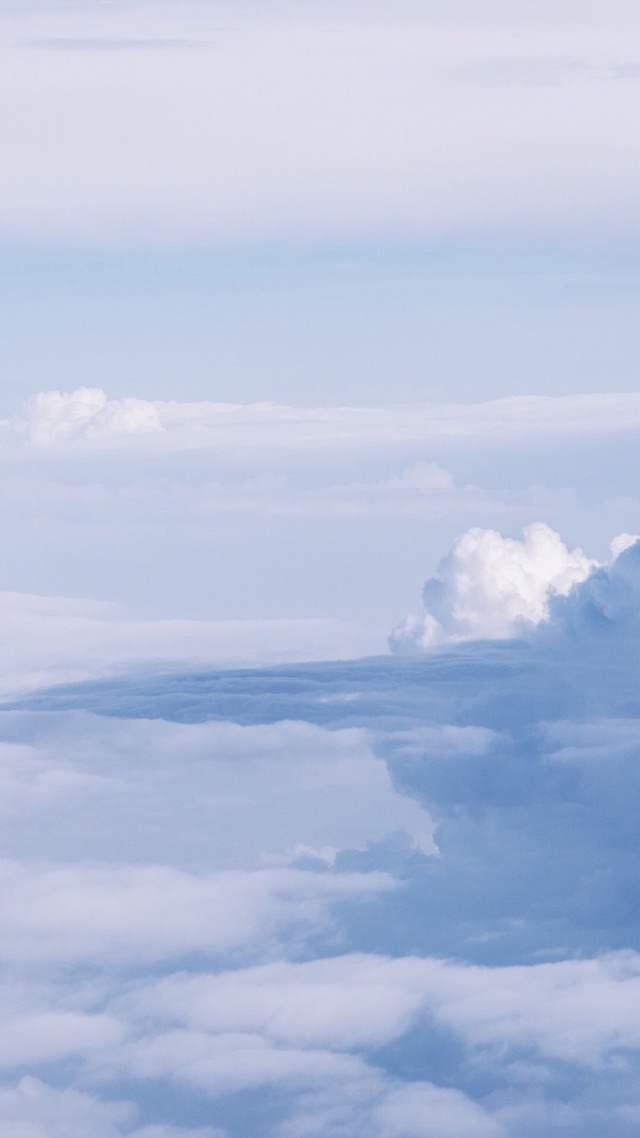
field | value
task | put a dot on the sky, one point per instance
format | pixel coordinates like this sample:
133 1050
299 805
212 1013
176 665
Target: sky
320 570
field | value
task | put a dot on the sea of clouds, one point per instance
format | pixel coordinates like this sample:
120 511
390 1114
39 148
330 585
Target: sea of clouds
388 897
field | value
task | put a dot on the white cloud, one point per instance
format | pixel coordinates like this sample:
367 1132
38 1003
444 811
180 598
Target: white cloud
54 416
344 1003
357 121
85 781
580 1011
29 781
87 416
49 1036
422 476
115 916
424 1111
492 587
230 1062
32 1109
621 542
47 640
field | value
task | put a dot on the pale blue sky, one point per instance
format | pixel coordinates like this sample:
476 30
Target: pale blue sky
359 324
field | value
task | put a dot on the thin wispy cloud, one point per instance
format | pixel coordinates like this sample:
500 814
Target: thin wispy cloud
111 43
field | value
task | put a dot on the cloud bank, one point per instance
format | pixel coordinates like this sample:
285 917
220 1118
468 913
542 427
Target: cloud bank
88 414
52 639
264 942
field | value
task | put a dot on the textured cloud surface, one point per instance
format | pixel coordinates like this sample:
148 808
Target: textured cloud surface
491 587
384 898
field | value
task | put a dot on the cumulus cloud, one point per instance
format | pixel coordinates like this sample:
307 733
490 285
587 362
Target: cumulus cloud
606 607
55 416
492 587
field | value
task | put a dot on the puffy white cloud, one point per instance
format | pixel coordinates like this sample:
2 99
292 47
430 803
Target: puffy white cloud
492 587
54 416
116 916
584 1012
343 1003
34 1110
621 542
425 1111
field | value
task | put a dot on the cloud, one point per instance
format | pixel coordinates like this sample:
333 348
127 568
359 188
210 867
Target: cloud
491 587
370 985
54 416
582 1012
336 146
425 1111
422 476
88 415
182 520
105 783
57 639
109 43
32 1109
523 751
116 916
605 610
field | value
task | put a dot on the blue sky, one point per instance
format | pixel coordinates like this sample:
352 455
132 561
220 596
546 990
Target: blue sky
364 323
320 571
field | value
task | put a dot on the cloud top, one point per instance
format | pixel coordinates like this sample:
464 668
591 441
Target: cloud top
492 587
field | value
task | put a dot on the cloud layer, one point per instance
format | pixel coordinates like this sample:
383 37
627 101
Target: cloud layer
174 509
360 120
88 414
264 943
